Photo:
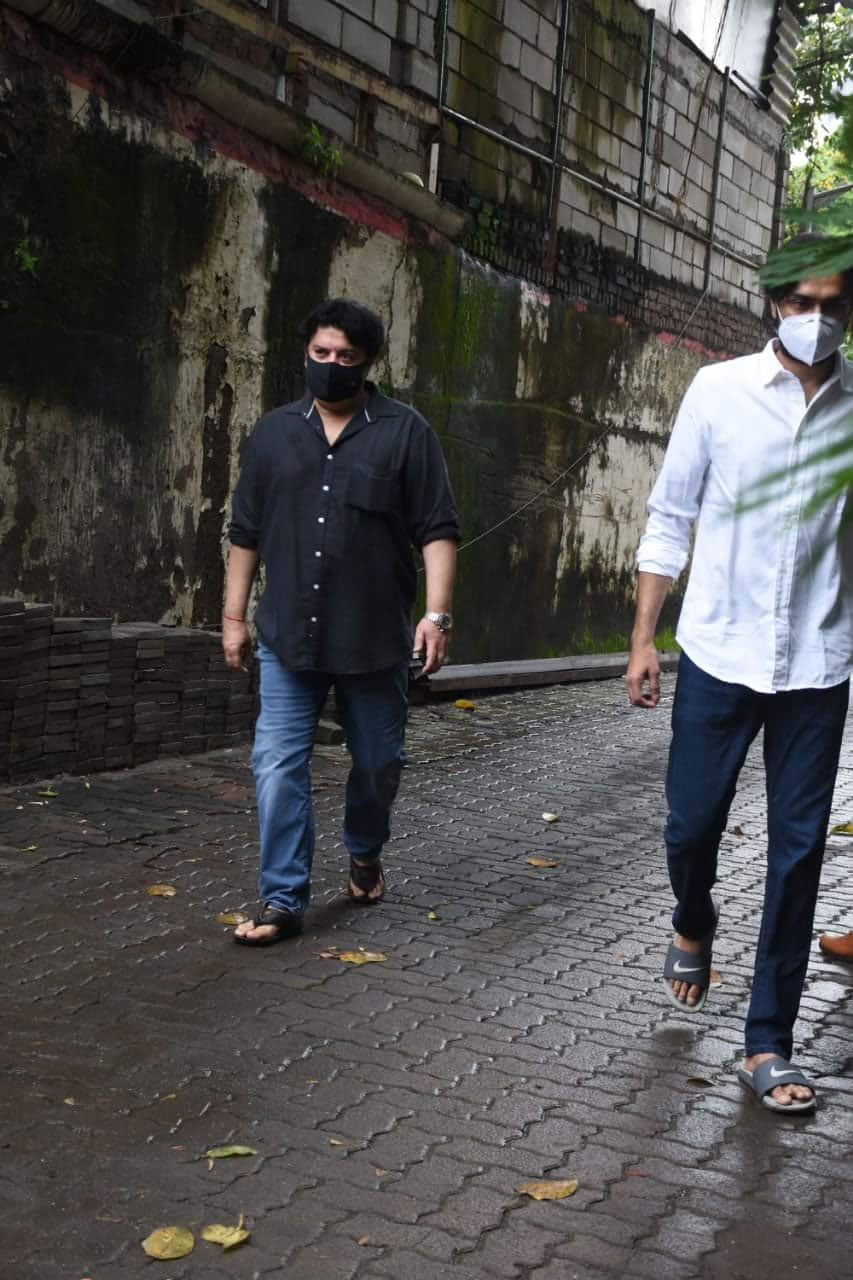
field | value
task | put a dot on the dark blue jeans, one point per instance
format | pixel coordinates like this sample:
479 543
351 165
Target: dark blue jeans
713 725
373 708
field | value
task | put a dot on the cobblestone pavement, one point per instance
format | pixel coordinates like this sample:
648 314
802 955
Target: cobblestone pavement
395 1107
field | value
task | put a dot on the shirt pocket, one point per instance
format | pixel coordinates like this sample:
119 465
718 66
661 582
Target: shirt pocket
370 490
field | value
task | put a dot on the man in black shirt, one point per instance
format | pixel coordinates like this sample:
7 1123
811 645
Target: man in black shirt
334 492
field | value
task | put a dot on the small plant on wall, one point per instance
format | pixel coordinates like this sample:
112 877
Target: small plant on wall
323 156
25 259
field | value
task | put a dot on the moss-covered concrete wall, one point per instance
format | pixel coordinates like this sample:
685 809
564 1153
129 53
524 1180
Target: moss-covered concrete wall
150 284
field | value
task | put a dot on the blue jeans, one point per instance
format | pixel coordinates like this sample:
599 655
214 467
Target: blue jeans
373 708
713 725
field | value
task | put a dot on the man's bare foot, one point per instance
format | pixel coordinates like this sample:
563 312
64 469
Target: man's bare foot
687 992
783 1093
256 932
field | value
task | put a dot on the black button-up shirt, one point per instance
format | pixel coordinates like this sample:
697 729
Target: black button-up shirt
335 525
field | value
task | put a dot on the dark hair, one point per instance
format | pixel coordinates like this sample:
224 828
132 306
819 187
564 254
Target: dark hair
779 291
361 325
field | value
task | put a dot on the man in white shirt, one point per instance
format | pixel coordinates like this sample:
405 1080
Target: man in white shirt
766 632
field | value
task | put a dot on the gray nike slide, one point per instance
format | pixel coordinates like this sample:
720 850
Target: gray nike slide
684 966
768 1076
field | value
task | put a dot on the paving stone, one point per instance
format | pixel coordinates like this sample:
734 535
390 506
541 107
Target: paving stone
520 1035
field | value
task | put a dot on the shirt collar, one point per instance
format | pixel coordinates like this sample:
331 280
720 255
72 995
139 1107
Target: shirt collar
771 368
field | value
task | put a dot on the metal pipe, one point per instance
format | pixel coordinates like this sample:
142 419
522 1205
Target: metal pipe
644 140
715 179
599 186
558 108
444 20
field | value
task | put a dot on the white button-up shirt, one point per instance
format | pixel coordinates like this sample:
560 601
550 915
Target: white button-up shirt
769 599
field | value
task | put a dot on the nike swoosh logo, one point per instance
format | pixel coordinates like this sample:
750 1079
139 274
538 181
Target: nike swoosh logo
776 1074
680 968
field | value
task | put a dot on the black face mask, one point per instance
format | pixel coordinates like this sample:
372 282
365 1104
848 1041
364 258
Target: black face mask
330 381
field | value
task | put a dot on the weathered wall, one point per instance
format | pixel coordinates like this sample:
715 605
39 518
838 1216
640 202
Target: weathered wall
172 256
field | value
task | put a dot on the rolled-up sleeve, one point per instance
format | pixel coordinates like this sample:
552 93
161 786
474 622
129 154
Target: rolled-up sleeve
244 529
430 508
675 499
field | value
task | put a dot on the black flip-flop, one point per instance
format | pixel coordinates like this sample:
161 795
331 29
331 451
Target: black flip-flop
288 924
365 878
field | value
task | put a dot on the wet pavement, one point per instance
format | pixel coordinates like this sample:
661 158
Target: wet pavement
515 1029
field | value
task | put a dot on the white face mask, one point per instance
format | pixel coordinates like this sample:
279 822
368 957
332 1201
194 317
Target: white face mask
811 338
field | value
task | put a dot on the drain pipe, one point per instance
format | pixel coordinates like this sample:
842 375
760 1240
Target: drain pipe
644 140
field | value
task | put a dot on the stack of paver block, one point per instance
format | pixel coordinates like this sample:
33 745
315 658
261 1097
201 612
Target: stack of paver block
78 695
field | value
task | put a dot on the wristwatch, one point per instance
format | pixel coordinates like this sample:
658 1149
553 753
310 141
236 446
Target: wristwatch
443 621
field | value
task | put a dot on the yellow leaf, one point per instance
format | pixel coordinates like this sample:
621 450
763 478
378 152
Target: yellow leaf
843 829
550 817
29 848
161 891
169 1242
19 806
363 1240
464 704
433 915
70 1101
336 1142
47 791
548 1189
88 786
221 1153
228 1237
541 862
166 1097
354 957
232 917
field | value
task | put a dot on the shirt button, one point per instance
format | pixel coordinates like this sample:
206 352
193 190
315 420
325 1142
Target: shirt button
313 619
330 456
321 519
318 553
325 488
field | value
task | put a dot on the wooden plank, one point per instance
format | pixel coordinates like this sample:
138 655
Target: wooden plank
532 672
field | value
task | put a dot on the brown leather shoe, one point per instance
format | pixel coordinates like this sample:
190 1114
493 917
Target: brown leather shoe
840 948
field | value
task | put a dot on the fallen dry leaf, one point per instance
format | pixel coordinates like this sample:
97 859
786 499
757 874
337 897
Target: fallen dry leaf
363 1240
354 957
169 1242
222 1153
29 848
70 1101
161 890
737 831
380 1173
465 704
48 791
842 829
336 1142
433 915
227 1237
699 1082
550 817
541 862
715 980
166 1097
232 917
549 1189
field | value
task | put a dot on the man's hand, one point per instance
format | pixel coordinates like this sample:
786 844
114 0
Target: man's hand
236 643
643 666
432 642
